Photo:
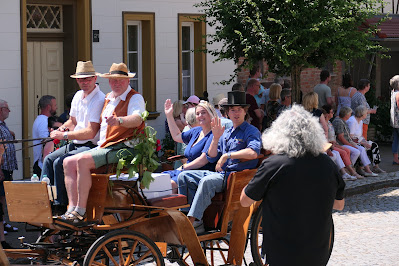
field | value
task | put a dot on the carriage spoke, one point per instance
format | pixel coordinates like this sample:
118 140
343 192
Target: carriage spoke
109 255
142 257
121 260
130 257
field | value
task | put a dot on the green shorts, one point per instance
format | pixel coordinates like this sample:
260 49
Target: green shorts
107 155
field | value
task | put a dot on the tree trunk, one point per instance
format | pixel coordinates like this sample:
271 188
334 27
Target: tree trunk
296 84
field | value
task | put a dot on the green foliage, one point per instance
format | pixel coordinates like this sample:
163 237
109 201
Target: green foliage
290 34
144 158
381 120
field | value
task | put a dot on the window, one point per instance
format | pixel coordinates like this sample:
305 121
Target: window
139 55
187 55
192 62
134 54
44 18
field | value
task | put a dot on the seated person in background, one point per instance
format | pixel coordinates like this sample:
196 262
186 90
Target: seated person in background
192 101
197 139
344 153
242 141
216 101
255 113
53 124
68 102
226 122
344 139
120 119
285 104
191 121
272 106
237 87
355 124
310 103
299 186
178 116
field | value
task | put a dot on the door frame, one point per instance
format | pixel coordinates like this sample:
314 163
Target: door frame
83 18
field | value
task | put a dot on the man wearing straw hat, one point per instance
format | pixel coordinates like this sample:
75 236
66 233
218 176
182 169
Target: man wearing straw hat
81 127
121 114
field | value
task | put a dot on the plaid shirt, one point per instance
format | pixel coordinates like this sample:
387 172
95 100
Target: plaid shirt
357 100
9 158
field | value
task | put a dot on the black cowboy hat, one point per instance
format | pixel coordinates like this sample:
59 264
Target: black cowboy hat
236 98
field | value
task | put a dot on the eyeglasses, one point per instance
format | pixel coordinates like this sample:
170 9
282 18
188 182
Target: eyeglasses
8 109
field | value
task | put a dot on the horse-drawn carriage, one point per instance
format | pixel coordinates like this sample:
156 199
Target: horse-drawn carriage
125 228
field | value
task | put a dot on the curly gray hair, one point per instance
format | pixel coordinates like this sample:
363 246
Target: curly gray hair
295 132
394 82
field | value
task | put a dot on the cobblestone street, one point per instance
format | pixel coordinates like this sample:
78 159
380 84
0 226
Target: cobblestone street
367 230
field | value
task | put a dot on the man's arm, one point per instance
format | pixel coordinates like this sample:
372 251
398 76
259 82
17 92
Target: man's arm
339 205
69 125
88 132
247 154
244 199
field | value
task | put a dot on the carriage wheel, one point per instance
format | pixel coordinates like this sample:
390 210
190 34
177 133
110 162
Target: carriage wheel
216 249
256 243
123 248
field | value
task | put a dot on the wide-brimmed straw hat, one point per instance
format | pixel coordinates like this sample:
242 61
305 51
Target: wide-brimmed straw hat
118 71
236 98
84 69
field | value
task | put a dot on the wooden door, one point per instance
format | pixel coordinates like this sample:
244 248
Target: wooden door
45 76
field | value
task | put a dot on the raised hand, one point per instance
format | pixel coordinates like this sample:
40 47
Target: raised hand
168 107
217 128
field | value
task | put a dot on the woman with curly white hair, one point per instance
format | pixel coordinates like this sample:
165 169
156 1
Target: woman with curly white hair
300 186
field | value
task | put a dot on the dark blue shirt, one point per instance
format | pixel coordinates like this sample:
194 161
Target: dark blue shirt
242 137
193 152
9 157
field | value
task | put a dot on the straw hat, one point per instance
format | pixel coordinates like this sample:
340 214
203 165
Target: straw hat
84 70
118 71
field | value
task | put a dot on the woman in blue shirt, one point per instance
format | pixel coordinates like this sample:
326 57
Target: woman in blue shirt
197 139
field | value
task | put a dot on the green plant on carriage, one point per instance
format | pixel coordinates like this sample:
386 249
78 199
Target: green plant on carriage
142 156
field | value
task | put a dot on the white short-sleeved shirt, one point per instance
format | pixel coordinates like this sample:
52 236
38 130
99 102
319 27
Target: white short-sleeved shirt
39 130
136 106
87 110
355 128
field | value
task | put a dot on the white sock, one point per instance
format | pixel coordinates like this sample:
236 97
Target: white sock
80 210
71 208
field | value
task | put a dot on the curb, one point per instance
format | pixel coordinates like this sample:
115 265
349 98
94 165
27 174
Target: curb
370 187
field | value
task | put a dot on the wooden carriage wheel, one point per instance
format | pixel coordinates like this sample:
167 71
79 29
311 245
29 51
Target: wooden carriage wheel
216 247
256 243
123 248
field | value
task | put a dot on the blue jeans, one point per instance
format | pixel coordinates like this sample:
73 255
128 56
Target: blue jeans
199 186
54 169
395 142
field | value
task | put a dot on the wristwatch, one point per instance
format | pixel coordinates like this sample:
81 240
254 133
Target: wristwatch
229 155
120 121
65 135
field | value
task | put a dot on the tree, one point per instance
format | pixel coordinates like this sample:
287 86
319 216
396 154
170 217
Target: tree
291 34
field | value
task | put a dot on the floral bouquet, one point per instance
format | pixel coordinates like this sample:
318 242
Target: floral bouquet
144 158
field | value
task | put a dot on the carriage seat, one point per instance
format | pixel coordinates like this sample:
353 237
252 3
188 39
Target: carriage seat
169 201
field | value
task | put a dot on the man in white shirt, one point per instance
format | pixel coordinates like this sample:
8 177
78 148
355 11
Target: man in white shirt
81 127
121 113
48 107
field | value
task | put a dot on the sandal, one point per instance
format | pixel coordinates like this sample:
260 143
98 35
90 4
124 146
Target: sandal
74 218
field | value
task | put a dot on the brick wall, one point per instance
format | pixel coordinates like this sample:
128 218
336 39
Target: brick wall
310 77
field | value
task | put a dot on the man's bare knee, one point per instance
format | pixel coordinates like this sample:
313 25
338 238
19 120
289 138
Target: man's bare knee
86 161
